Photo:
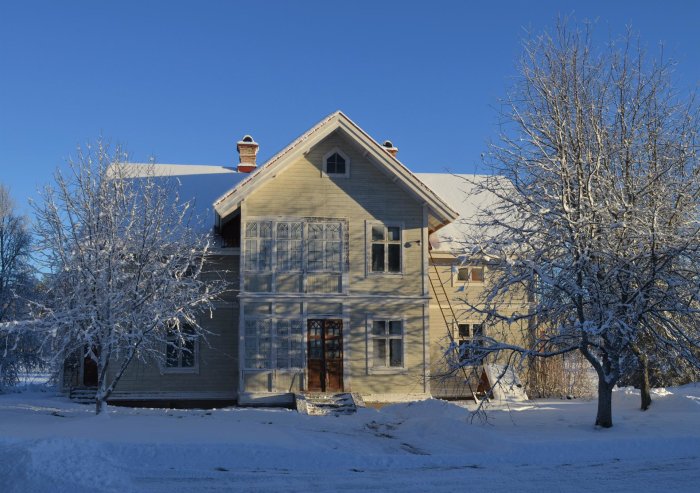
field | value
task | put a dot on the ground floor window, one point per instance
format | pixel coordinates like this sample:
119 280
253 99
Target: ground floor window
273 343
469 334
181 350
386 343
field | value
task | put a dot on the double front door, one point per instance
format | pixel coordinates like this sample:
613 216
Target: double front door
325 355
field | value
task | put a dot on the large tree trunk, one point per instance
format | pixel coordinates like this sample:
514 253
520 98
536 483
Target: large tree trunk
644 385
100 405
604 416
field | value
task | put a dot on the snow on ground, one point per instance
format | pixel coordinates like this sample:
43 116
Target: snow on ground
48 444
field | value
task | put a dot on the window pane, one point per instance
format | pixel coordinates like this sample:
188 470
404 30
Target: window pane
379 352
377 232
340 167
477 274
251 230
282 255
394 233
171 356
295 230
188 357
251 255
265 254
463 330
394 258
315 259
333 231
377 257
265 229
478 330
396 352
463 274
315 231
379 328
333 256
395 328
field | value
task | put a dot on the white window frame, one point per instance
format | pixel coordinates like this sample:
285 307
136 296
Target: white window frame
164 368
336 175
368 248
369 353
340 269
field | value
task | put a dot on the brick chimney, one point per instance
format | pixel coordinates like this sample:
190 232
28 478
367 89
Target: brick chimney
247 153
389 147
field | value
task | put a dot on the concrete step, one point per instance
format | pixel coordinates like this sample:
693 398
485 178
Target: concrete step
315 404
83 395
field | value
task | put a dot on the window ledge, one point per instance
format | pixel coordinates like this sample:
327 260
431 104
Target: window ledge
385 274
388 371
176 371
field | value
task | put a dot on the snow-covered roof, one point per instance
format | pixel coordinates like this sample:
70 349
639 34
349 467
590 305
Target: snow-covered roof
201 185
459 191
204 185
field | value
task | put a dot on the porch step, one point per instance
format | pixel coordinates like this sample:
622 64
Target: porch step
319 404
83 395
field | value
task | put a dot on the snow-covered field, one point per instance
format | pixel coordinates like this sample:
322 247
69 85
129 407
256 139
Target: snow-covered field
48 444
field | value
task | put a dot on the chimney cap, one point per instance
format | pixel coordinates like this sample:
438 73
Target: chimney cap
390 148
247 139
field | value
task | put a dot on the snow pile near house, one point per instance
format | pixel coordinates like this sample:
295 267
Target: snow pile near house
49 444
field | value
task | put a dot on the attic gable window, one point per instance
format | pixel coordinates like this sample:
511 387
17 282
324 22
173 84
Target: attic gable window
336 164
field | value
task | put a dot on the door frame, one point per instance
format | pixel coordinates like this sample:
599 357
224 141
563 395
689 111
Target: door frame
324 372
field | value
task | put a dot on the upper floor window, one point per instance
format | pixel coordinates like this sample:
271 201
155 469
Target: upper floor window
473 274
336 163
385 249
325 247
290 248
294 246
258 246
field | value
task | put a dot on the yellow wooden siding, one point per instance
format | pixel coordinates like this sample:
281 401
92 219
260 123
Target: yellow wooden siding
443 381
302 190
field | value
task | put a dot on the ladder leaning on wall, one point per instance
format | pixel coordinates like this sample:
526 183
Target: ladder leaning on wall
450 320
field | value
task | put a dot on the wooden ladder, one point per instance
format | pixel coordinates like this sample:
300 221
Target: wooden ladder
449 318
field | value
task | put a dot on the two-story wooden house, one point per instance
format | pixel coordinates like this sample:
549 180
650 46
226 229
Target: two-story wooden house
328 243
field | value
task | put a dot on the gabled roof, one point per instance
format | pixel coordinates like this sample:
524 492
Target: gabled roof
440 213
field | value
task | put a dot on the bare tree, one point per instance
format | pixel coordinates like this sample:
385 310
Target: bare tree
17 283
15 244
598 183
126 259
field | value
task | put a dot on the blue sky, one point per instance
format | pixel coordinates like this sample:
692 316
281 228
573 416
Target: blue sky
183 81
